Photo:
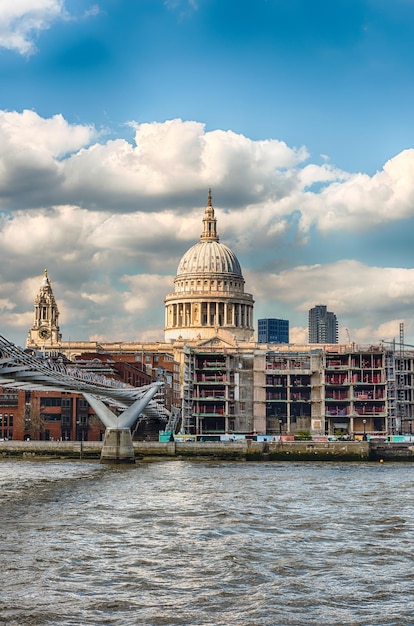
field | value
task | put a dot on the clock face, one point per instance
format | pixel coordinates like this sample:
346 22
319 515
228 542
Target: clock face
44 333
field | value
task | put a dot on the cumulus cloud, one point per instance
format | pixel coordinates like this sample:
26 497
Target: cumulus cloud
111 219
47 162
123 310
22 20
362 201
41 138
145 290
173 160
31 149
360 296
344 285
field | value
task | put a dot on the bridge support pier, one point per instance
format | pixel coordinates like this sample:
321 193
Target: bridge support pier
118 446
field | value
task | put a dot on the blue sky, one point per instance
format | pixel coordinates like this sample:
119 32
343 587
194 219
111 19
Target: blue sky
116 116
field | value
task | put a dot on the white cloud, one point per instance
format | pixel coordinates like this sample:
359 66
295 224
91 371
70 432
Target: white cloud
298 335
342 284
31 149
361 296
110 220
41 138
21 20
145 290
166 153
173 160
49 161
361 201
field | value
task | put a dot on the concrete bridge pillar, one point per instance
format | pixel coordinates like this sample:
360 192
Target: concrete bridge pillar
118 446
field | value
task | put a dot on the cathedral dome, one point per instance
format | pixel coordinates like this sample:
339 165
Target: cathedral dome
209 297
209 256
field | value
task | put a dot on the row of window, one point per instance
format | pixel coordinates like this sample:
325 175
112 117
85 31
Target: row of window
8 399
51 401
6 419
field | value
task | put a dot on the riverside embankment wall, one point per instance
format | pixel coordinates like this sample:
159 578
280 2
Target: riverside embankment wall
228 451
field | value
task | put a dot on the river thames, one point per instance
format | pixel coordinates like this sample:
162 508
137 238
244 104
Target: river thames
187 543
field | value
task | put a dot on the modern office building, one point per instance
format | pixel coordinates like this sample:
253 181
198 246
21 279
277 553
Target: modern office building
323 325
273 330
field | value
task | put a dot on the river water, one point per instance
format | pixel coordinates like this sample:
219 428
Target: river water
186 543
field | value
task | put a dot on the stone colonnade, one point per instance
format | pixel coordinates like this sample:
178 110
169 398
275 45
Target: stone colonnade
210 314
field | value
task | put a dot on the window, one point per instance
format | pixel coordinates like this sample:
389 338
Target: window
51 417
8 399
50 402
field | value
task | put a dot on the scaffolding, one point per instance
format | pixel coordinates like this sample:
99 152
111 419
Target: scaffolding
401 384
187 421
391 390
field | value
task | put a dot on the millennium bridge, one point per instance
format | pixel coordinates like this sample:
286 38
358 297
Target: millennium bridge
23 371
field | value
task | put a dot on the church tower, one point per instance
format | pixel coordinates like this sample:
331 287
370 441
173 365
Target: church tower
44 332
209 298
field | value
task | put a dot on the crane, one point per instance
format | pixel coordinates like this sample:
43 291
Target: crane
396 343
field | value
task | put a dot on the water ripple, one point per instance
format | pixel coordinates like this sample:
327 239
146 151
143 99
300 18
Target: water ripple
187 544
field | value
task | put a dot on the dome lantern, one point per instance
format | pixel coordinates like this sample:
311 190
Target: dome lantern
209 222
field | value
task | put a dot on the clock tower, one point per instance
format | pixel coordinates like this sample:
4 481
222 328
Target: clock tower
44 332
